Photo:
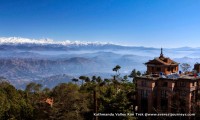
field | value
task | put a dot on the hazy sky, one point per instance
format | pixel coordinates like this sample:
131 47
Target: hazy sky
152 23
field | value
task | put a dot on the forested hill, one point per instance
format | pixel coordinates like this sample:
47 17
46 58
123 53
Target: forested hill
68 101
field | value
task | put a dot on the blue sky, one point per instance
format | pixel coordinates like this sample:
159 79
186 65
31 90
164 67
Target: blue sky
151 23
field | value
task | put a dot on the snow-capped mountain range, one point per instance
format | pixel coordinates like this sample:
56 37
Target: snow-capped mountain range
46 41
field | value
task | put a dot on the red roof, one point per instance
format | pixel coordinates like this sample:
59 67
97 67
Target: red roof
161 61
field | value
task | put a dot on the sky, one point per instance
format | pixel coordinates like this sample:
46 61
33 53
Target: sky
149 23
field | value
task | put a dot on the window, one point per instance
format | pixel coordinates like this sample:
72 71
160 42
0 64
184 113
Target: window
183 93
155 92
168 69
165 84
144 93
144 83
156 84
163 93
193 83
152 68
144 105
182 84
158 69
164 104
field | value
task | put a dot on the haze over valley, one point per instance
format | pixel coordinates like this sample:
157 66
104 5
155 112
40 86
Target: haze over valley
24 60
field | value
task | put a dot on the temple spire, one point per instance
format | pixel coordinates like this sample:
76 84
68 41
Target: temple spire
161 52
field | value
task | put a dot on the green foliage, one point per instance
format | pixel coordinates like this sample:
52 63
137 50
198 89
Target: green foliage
75 80
116 69
70 101
134 73
33 87
99 80
13 104
83 78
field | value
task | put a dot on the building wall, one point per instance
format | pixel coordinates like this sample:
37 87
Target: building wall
180 93
197 68
164 69
145 92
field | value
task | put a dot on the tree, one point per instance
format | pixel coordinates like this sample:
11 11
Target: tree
83 78
116 69
99 80
46 90
37 87
33 87
94 78
185 67
69 102
125 79
138 73
74 80
134 73
13 104
87 79
107 81
113 100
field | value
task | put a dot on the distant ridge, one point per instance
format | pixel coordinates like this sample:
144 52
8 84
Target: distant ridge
50 62
19 40
47 41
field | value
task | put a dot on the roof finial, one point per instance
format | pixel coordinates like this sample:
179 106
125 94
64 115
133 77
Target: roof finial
161 53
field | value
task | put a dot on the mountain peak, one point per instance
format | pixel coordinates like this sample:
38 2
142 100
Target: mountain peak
46 41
